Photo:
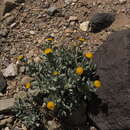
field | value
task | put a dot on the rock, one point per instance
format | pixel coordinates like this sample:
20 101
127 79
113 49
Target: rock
37 59
3 82
1 94
9 20
26 79
4 32
84 26
52 10
6 121
6 128
72 18
53 125
32 32
22 69
6 6
10 71
68 2
13 25
6 104
92 128
122 1
101 21
113 63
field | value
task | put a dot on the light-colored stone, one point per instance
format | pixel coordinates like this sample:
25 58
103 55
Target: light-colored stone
6 121
13 25
72 18
9 20
84 26
37 59
10 71
7 128
53 125
92 128
32 32
22 69
6 104
1 94
122 1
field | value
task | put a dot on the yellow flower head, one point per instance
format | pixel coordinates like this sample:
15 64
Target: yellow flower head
82 39
50 39
48 51
97 84
51 105
79 70
28 85
89 55
56 73
20 57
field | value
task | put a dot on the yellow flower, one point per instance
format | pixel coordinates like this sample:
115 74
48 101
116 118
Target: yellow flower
97 84
89 55
56 73
50 39
28 85
48 50
79 70
20 57
81 39
51 105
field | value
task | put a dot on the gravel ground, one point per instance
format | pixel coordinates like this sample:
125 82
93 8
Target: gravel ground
25 28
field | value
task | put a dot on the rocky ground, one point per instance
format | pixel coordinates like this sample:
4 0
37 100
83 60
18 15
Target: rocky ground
24 29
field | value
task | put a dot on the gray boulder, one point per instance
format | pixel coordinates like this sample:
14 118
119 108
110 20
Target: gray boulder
112 109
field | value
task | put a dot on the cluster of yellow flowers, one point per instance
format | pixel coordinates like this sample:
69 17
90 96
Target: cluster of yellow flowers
79 70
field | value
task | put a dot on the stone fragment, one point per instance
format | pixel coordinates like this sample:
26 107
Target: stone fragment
10 71
84 26
52 10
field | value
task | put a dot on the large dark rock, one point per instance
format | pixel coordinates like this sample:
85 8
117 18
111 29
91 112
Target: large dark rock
101 21
112 112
